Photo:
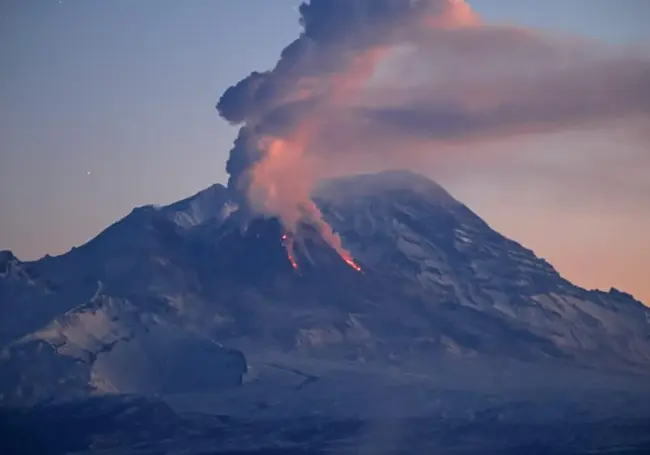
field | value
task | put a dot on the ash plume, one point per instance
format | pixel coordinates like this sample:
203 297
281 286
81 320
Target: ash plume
391 80
283 111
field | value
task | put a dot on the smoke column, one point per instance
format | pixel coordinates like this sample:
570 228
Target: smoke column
372 81
281 111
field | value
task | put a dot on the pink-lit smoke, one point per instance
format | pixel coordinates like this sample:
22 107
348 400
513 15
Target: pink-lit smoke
378 79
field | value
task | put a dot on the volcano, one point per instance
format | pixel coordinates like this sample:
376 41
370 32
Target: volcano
194 297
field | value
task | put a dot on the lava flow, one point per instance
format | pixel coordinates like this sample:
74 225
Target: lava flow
288 245
287 241
351 263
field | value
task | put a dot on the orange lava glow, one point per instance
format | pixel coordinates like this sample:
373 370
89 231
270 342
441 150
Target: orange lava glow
293 262
351 263
288 245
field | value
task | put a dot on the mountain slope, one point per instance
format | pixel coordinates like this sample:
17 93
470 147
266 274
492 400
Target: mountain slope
196 287
442 246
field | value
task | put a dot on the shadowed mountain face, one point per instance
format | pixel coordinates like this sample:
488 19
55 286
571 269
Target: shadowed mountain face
192 297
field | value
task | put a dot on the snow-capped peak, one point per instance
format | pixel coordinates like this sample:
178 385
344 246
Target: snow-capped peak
363 185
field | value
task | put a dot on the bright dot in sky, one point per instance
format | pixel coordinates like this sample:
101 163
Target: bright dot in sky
88 173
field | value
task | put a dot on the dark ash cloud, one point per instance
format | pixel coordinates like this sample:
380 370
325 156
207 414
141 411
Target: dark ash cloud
393 79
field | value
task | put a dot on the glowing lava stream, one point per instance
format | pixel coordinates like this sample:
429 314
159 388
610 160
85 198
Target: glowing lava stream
287 241
288 245
351 263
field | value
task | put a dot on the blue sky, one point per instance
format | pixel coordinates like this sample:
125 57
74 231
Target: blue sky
619 21
125 90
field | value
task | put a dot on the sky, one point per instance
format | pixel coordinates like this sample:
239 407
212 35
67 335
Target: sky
105 106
